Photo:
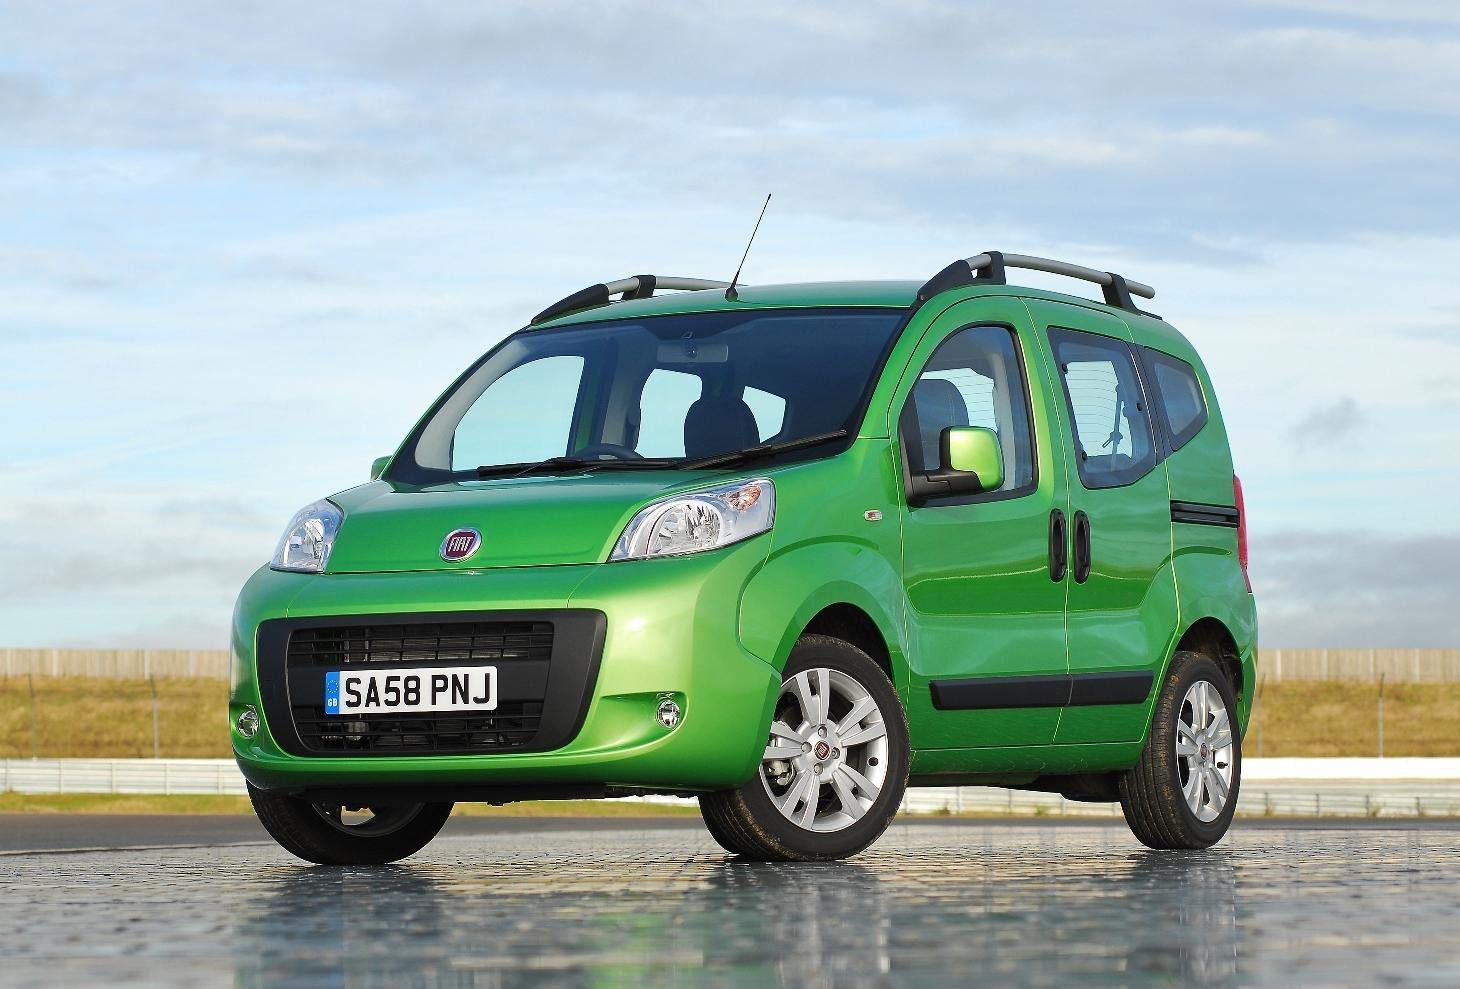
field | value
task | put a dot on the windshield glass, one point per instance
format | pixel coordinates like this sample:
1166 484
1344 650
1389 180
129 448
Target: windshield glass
670 388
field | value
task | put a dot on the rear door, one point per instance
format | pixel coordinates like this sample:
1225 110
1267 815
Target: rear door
985 617
1122 591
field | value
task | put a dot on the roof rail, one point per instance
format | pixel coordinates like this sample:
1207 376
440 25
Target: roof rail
988 269
634 287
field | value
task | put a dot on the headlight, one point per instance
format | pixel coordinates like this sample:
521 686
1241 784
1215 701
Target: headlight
693 523
306 544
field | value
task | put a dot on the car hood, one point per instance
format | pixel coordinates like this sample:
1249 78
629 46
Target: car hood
524 521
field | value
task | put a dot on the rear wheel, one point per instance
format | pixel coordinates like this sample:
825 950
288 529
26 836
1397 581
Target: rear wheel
1183 792
835 764
329 834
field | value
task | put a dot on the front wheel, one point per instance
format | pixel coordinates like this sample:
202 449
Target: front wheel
835 764
1183 792
329 834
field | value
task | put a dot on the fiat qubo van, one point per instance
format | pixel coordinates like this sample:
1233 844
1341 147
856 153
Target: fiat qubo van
786 549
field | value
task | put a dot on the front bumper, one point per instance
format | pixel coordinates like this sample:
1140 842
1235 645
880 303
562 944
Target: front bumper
671 627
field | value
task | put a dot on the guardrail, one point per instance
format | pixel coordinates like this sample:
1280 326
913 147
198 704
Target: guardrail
1395 665
135 776
1271 787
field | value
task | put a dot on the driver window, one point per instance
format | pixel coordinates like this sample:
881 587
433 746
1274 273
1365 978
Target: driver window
974 378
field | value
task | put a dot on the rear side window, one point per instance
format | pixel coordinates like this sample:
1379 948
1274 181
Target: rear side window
974 378
1114 444
1179 396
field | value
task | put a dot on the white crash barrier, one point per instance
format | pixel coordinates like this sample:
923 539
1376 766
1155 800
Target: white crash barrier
140 776
1271 787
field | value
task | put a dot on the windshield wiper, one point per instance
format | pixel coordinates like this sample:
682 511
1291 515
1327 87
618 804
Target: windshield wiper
763 450
583 465
580 464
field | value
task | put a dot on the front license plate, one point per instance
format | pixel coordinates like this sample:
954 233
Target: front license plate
443 688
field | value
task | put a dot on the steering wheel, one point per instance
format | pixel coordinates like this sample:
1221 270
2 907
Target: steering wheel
607 451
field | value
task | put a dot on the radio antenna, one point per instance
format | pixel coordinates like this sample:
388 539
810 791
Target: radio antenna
730 293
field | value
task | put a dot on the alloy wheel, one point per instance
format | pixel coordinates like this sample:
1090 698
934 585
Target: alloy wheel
826 759
1204 751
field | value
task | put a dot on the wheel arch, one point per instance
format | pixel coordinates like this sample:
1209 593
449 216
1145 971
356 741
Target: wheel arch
791 595
1211 638
851 624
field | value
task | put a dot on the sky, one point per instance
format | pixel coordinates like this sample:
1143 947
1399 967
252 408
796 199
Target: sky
242 246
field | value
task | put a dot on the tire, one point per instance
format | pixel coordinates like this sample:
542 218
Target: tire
1173 799
847 783
316 834
720 832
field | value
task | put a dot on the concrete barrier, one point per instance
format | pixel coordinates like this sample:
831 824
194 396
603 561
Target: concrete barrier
1271 787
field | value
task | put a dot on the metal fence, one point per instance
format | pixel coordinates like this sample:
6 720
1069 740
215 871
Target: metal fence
1395 665
125 664
1324 794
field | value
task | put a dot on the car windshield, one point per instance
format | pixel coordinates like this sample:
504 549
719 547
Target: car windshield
654 392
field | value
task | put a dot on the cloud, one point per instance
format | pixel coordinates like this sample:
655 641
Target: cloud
1441 11
1330 426
1357 589
1243 128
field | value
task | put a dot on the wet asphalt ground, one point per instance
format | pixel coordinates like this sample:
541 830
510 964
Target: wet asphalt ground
506 903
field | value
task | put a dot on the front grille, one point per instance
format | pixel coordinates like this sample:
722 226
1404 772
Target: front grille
520 650
458 643
511 726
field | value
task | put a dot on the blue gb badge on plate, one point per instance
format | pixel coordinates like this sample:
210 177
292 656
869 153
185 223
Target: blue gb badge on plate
332 693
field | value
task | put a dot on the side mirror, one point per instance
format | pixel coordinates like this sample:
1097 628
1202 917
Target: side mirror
377 467
972 461
973 450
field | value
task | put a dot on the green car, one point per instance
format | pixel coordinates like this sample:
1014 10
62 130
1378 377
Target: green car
787 549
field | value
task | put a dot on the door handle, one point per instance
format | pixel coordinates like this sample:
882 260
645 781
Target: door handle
1059 546
1082 547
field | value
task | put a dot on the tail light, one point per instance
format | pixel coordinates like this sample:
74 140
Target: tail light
1241 529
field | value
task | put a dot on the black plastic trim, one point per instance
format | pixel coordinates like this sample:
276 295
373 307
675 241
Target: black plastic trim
982 693
585 298
647 284
1121 687
1200 513
1059 545
959 274
1080 528
1117 293
354 796
1045 690
572 672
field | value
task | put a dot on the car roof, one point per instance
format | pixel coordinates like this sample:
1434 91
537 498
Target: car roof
900 294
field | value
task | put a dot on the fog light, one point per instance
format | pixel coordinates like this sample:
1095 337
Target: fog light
668 714
248 723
